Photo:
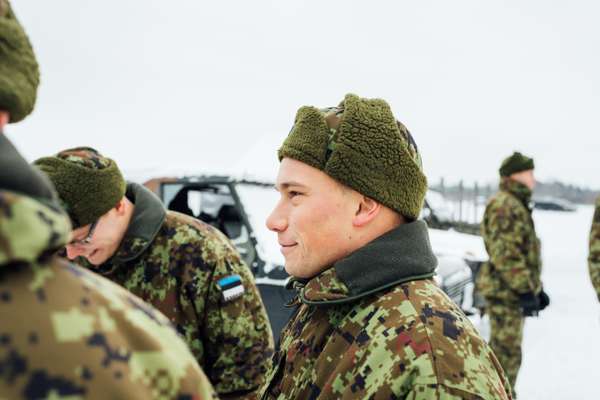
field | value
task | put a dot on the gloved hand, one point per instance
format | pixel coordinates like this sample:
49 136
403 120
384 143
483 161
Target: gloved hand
543 299
530 304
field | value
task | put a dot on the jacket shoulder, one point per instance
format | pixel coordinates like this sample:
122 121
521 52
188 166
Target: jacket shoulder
504 201
181 231
106 338
431 324
597 211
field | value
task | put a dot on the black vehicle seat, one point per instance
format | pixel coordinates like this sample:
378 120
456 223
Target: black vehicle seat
180 203
230 221
231 224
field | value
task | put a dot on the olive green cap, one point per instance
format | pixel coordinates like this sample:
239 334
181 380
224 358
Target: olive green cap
361 145
19 73
516 162
88 184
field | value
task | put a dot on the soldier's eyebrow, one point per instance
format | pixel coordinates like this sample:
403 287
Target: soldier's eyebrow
287 184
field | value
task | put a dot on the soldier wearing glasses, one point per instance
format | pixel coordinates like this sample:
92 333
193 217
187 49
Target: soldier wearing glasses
185 268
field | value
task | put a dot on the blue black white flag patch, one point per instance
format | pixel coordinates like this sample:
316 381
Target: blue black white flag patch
231 287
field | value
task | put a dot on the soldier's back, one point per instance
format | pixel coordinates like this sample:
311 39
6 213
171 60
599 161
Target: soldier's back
66 332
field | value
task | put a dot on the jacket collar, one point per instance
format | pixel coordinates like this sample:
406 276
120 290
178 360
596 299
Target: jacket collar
148 216
517 189
400 255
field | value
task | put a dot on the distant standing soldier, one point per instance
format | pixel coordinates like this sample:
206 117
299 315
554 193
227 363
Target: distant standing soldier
511 280
371 323
594 255
184 267
66 333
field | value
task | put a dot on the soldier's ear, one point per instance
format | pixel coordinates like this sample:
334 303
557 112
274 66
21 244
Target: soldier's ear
4 117
120 208
367 210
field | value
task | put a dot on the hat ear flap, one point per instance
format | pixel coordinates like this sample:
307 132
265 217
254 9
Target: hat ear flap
308 140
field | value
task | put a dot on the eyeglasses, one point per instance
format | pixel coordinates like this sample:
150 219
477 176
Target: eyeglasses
88 238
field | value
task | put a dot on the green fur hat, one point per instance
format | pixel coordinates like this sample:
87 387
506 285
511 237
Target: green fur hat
517 162
360 144
19 74
88 184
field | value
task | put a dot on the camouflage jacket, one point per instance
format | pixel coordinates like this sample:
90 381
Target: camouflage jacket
508 231
389 333
191 273
594 255
66 333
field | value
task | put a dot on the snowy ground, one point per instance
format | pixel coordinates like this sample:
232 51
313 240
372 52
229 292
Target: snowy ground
561 349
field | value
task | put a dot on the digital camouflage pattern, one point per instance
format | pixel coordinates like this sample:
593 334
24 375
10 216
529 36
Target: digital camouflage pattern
506 325
508 231
514 269
67 333
594 255
175 262
382 341
86 157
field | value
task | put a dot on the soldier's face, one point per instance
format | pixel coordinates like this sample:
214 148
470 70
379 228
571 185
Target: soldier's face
313 218
525 177
101 244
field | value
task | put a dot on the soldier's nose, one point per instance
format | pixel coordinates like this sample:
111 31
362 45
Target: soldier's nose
73 252
275 222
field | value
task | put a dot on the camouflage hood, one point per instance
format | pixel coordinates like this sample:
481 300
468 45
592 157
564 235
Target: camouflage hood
148 216
32 224
401 255
29 229
517 189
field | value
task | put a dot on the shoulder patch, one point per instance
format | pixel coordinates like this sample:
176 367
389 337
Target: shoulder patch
231 287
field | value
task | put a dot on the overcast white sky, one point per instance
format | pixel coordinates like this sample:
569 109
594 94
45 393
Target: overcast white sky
215 85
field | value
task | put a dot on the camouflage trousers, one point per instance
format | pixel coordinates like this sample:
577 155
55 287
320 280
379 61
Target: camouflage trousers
506 323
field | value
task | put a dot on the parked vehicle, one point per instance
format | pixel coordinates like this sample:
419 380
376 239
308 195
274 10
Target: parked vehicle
239 208
438 214
553 204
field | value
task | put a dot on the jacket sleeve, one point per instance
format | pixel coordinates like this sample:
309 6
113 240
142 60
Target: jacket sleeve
507 247
236 327
594 254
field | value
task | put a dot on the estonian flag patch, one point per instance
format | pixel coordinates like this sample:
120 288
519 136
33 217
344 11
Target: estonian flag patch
231 287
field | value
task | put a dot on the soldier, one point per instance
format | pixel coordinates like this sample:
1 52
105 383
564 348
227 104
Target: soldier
371 322
511 280
66 332
184 267
594 255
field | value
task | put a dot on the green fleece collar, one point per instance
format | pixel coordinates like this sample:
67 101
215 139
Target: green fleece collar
148 217
401 255
517 189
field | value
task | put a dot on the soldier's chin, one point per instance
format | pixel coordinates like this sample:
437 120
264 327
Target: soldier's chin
292 269
298 270
95 257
